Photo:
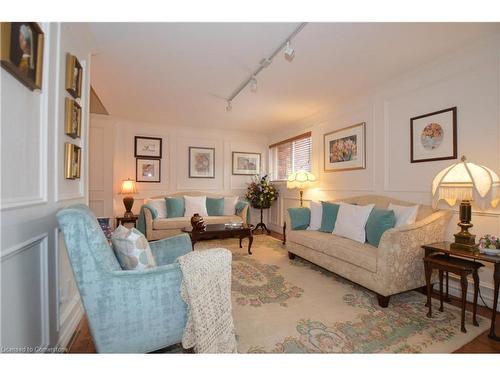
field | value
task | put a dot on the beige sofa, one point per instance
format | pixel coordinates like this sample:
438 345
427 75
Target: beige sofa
395 266
162 228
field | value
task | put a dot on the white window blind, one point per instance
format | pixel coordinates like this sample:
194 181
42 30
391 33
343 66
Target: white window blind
289 156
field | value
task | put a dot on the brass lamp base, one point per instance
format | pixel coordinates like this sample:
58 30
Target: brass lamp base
464 240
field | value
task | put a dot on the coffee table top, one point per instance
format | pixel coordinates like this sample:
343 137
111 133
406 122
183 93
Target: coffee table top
217 228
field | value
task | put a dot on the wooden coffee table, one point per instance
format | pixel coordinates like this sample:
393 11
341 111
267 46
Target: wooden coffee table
221 231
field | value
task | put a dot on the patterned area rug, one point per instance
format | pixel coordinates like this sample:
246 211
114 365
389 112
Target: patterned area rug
293 306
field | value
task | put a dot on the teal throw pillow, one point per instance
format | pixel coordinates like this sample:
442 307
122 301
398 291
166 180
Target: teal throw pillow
329 216
300 217
378 222
175 207
215 206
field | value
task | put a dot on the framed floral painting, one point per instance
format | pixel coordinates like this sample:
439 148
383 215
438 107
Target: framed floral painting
433 136
345 149
148 170
201 162
246 163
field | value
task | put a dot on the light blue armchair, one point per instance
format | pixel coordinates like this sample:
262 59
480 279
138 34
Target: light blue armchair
127 311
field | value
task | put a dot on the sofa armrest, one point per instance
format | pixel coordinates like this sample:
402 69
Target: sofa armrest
166 251
148 221
244 214
400 251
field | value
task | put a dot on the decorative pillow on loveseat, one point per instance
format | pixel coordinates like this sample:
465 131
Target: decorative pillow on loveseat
316 215
159 204
378 222
132 249
175 207
300 217
215 206
328 216
351 221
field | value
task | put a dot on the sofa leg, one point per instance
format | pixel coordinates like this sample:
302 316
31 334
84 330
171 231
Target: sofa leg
383 301
291 255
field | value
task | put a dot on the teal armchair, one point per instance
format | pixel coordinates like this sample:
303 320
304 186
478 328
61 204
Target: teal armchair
128 311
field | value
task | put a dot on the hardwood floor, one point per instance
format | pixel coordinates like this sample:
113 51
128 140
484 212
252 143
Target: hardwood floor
81 341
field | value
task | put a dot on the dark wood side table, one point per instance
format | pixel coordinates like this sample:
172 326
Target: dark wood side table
444 248
123 220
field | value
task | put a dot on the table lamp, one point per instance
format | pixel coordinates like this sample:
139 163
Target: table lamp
466 182
128 187
301 180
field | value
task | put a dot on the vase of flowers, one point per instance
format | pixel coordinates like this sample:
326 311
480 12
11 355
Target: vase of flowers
261 194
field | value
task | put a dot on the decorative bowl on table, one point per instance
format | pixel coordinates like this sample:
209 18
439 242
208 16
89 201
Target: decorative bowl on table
489 244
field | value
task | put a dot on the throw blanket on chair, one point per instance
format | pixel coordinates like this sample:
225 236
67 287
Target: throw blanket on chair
206 289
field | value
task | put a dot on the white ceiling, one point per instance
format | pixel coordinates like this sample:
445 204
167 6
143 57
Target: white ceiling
179 73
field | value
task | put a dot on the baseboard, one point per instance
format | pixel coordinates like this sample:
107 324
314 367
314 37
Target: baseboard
70 321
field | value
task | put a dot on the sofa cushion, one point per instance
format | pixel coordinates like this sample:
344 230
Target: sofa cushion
300 217
351 221
159 204
230 205
316 215
329 216
175 207
378 222
195 205
215 206
358 254
405 215
132 249
182 222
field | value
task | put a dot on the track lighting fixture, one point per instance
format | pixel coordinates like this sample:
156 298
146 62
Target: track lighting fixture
229 107
289 52
253 84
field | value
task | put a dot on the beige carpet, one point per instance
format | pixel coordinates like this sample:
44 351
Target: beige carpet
292 306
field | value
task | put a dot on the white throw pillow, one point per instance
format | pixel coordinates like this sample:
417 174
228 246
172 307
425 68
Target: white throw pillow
316 215
230 205
351 221
195 205
160 205
132 249
405 215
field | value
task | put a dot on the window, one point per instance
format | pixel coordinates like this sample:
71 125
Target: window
289 156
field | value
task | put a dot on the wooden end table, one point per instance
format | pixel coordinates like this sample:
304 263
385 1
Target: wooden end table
444 248
221 231
130 219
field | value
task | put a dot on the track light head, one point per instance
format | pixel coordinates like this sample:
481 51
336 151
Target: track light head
289 52
229 107
265 62
253 84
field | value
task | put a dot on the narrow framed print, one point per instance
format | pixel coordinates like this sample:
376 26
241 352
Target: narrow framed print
148 170
345 149
246 163
74 76
147 147
433 136
201 162
73 118
72 161
21 52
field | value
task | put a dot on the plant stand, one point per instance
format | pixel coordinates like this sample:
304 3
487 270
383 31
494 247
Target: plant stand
261 224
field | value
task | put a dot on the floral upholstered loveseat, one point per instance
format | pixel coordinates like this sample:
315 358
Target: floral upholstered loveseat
394 267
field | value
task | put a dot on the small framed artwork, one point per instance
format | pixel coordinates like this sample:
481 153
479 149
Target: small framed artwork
147 147
21 52
345 149
148 170
433 136
74 76
73 118
246 163
73 161
201 162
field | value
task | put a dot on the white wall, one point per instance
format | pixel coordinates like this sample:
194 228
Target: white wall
468 79
174 163
39 301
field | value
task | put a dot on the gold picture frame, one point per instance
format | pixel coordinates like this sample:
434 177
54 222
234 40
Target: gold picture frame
74 76
73 118
21 52
72 161
345 149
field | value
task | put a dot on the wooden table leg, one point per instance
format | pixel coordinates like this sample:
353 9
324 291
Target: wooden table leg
441 291
250 241
447 298
496 279
463 281
241 237
475 276
428 273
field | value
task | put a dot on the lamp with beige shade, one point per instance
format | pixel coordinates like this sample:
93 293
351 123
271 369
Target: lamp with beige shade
128 188
301 180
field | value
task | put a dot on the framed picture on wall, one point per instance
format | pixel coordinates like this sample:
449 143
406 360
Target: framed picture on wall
74 76
345 149
433 136
246 163
73 161
201 162
147 170
73 118
21 52
147 147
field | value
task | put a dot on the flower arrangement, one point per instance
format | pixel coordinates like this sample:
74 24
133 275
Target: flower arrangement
489 241
261 193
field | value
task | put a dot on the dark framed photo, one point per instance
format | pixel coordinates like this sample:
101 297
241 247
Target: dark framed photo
21 53
345 149
73 118
433 136
73 161
147 147
246 163
74 76
201 162
148 170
